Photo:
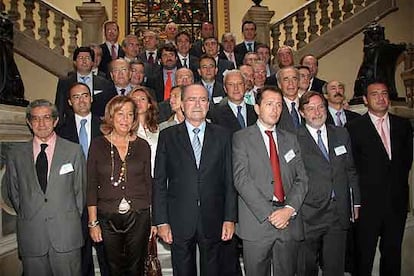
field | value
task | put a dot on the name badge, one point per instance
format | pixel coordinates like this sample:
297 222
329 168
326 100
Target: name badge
340 150
96 92
218 99
66 168
289 155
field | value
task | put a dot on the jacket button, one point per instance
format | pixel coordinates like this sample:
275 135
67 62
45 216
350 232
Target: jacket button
45 199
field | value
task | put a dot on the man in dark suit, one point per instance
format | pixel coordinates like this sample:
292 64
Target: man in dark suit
150 53
228 42
382 145
130 46
334 92
46 184
312 63
288 81
78 126
227 113
184 59
194 200
249 44
101 89
272 183
208 71
110 48
326 210
211 47
207 30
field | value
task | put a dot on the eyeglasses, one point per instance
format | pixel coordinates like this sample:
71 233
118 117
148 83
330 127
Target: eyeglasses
45 118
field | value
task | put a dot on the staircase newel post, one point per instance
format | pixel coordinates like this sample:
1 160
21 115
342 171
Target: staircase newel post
93 15
261 15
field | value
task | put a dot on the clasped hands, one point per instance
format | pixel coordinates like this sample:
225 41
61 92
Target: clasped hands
280 217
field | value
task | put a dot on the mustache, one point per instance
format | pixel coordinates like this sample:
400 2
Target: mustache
338 95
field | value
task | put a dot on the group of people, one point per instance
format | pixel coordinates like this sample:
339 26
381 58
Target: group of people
174 141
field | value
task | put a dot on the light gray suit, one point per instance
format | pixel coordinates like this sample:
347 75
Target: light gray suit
253 179
51 219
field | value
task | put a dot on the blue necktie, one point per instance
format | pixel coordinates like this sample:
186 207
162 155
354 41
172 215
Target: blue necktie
249 47
295 115
83 137
240 117
321 145
196 146
84 79
338 119
210 91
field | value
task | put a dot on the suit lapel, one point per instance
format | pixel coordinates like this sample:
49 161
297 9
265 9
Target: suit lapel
208 144
184 140
376 138
257 139
31 163
251 118
229 116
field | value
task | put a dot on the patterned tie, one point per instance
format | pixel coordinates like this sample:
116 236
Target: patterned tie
185 62
196 146
240 117
168 86
83 137
321 145
274 162
249 47
338 119
114 55
84 79
42 167
151 58
295 115
381 131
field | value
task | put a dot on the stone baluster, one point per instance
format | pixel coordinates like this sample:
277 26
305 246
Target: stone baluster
313 25
58 39
73 31
358 5
325 20
347 9
28 21
275 30
14 14
43 28
336 13
301 34
368 2
288 26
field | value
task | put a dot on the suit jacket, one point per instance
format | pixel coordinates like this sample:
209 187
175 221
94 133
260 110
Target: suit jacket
317 85
155 81
383 182
241 50
253 179
51 219
107 58
337 174
286 121
103 91
206 194
237 57
69 131
193 65
223 65
350 115
218 93
197 48
224 116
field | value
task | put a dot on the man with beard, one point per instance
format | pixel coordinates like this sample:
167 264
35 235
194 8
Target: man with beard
335 95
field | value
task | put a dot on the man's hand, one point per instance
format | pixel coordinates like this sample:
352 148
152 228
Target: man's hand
228 231
164 232
153 232
280 217
356 212
96 233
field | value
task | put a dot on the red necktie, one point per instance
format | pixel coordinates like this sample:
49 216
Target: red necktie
274 162
151 58
168 86
114 55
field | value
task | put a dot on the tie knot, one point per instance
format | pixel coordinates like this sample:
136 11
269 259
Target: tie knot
196 131
151 54
380 120
83 122
338 113
239 108
43 147
319 132
269 133
293 104
84 79
122 91
169 72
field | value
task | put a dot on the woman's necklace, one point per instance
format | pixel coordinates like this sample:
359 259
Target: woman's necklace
123 171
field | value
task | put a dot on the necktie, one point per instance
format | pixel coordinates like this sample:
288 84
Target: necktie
114 54
122 91
338 119
294 115
168 86
231 58
41 167
240 117
196 146
381 131
84 79
248 98
210 91
151 57
274 162
321 145
249 47
83 137
185 62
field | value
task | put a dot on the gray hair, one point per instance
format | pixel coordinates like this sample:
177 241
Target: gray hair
41 103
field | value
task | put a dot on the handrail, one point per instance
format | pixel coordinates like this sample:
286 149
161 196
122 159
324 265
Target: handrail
295 12
60 12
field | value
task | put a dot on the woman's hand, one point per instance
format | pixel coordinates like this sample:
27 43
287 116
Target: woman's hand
153 232
96 233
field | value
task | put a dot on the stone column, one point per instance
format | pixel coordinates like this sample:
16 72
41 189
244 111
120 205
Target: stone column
261 15
93 15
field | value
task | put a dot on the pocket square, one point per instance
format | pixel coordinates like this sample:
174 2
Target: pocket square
66 168
96 92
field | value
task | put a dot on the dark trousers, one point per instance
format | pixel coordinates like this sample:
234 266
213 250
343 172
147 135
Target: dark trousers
229 257
390 229
88 268
183 254
126 241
